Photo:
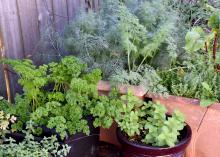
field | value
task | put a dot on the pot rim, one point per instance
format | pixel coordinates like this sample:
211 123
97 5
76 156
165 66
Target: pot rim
155 150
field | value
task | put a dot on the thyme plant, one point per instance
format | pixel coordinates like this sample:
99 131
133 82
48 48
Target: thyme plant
5 120
47 147
198 76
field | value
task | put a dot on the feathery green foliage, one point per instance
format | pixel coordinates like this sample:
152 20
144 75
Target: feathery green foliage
146 77
133 31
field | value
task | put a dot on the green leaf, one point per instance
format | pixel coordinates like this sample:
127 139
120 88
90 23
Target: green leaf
194 40
206 86
214 20
218 57
207 102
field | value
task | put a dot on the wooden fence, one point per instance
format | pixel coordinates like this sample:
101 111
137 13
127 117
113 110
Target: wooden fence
22 23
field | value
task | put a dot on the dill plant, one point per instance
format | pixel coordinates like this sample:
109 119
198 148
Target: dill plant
124 37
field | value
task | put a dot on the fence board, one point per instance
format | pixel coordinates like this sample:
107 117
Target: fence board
10 27
29 24
45 14
23 23
73 7
2 82
95 5
60 14
83 3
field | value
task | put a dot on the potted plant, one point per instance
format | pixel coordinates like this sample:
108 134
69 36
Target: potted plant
194 83
47 146
144 129
57 98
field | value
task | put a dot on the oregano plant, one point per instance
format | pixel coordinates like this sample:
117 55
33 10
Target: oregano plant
143 122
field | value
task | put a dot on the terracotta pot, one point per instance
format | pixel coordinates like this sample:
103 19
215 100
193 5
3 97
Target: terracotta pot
104 87
132 149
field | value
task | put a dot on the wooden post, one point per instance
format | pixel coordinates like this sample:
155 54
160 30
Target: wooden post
6 75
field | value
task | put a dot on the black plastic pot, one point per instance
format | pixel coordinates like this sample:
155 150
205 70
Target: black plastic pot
81 144
132 149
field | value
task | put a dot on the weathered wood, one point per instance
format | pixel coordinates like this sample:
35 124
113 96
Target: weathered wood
12 36
23 22
45 14
2 78
10 27
60 14
83 3
95 5
4 73
29 25
73 7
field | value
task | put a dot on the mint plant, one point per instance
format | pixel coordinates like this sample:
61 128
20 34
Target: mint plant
163 130
140 121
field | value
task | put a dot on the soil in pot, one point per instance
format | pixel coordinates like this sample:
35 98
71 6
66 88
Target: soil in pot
107 150
136 149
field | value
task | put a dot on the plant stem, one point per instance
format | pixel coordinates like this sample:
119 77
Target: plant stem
206 47
129 66
169 70
141 63
215 46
